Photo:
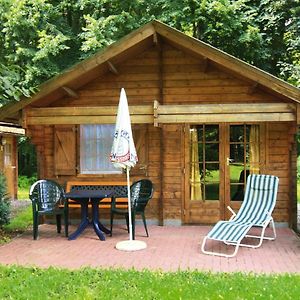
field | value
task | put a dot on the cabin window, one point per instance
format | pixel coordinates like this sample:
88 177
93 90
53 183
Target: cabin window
95 146
7 154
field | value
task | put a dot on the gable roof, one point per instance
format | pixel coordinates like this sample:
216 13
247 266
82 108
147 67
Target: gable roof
135 42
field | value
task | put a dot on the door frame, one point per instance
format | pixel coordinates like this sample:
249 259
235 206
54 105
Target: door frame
224 187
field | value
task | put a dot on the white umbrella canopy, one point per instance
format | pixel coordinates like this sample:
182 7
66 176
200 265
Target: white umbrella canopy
123 155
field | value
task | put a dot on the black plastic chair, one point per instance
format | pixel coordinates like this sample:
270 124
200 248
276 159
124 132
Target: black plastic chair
140 193
47 197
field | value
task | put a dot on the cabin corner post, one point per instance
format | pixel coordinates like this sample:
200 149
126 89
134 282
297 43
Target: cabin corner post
159 48
298 113
293 181
155 113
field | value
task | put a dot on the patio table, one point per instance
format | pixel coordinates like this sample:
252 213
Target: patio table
84 197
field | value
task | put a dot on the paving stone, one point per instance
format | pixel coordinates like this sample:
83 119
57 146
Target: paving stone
168 249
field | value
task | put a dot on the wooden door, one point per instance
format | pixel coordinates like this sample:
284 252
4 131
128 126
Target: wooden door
9 163
218 159
204 173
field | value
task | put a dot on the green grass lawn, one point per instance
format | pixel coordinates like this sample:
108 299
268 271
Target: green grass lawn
18 224
21 222
23 193
34 283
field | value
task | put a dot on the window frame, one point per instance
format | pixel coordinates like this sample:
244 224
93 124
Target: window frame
83 171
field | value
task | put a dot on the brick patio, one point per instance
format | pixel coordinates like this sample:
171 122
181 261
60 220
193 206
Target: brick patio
169 249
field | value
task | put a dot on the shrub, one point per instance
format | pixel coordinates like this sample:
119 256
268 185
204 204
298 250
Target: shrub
4 202
25 182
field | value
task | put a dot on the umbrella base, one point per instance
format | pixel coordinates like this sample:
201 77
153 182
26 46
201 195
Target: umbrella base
131 245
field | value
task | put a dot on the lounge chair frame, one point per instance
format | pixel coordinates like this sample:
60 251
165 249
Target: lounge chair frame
246 226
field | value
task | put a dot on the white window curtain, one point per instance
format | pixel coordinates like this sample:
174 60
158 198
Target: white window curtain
95 146
196 190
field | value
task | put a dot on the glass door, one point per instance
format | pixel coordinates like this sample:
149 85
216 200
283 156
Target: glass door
219 158
242 159
202 203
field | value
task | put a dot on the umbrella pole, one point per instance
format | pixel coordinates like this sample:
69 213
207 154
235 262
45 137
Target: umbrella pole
129 204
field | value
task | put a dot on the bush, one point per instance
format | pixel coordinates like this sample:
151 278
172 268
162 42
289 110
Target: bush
4 202
25 182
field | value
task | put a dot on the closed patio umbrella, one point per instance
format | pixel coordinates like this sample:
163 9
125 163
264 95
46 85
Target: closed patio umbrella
123 155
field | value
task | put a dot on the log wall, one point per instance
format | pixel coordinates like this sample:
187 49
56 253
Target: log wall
280 162
185 80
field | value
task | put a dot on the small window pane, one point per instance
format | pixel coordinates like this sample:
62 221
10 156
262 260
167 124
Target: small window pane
212 152
211 133
199 130
7 154
237 192
236 173
212 173
237 153
212 191
237 133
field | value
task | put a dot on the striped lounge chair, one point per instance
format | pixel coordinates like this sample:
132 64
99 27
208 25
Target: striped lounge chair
255 211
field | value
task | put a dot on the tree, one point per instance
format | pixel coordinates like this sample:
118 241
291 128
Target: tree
33 45
279 23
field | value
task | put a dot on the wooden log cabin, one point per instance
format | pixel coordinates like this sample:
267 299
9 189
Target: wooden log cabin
9 156
202 121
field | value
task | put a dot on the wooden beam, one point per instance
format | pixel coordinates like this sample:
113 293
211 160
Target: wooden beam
155 113
220 118
12 130
155 38
112 68
159 47
135 119
215 113
70 92
87 111
142 114
226 108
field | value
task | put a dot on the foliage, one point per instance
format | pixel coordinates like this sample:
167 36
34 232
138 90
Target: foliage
279 23
290 64
4 202
227 25
25 182
33 39
21 283
11 84
21 221
27 158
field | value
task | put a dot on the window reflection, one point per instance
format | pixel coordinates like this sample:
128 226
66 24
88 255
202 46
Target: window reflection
204 169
